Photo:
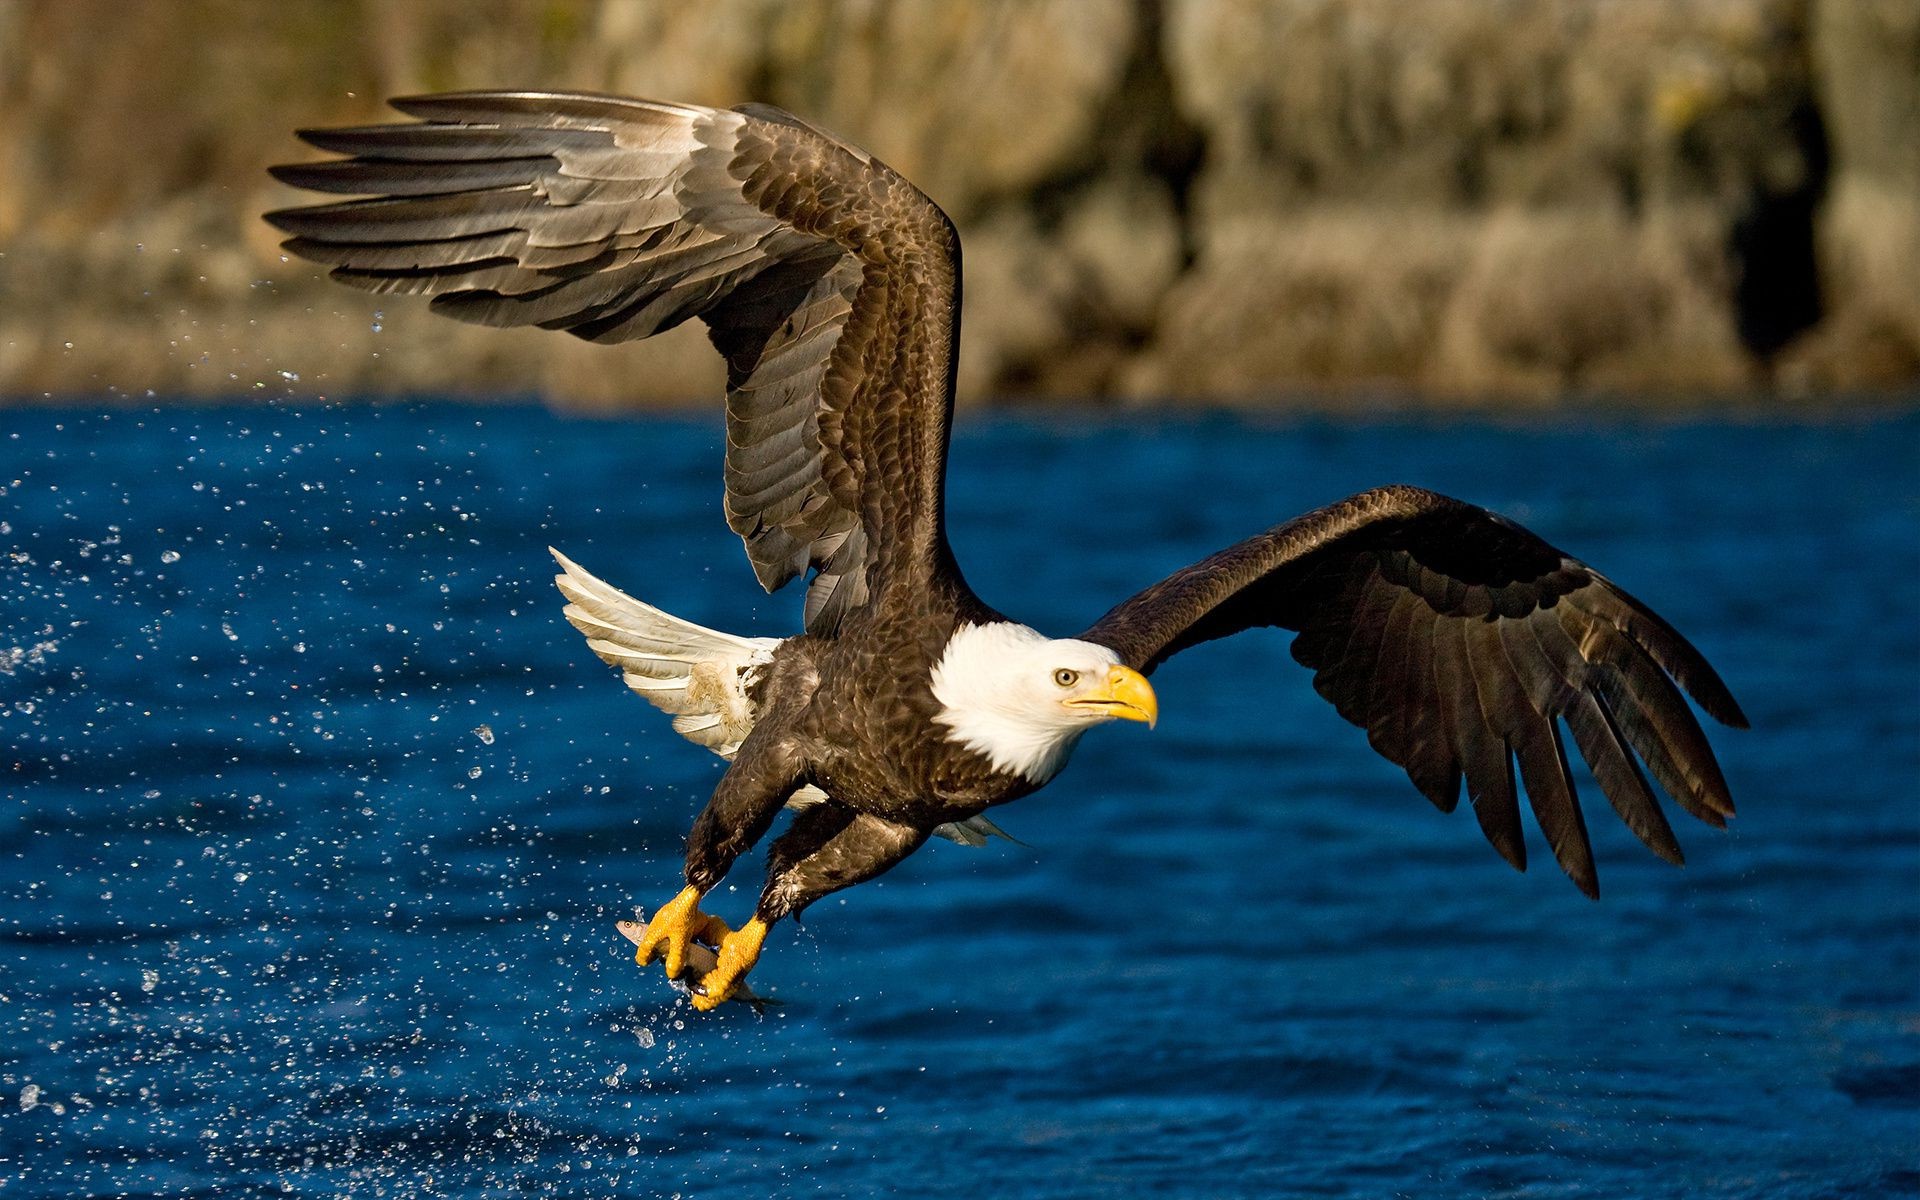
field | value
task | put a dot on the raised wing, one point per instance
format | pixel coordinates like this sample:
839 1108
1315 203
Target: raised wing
830 285
1461 642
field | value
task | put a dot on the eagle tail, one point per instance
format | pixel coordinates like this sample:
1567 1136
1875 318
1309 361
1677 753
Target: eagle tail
701 676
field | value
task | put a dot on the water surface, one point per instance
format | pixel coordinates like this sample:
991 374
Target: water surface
317 817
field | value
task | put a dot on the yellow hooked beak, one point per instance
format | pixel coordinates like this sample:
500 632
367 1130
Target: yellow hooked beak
1127 695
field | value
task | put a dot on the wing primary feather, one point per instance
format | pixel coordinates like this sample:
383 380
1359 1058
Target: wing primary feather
1430 760
1650 739
1549 783
1654 717
1484 755
1662 642
448 143
396 256
1534 736
1544 642
402 177
1620 778
1386 708
410 218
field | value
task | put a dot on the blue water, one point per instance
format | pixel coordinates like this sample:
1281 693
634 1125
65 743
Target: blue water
275 919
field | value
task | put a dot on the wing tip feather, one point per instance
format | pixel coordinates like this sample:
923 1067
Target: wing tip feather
464 106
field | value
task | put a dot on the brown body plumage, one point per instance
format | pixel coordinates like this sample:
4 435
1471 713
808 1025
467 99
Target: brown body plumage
831 286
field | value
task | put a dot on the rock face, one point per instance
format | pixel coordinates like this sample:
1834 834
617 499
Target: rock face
1251 201
1867 54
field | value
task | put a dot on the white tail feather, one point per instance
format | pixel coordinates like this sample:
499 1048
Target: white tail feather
699 675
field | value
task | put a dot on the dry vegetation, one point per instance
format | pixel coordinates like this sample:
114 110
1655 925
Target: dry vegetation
1464 201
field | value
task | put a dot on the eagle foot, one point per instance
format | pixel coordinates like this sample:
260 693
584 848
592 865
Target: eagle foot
739 950
678 922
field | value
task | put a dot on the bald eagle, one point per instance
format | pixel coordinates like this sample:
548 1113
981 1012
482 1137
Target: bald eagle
1461 642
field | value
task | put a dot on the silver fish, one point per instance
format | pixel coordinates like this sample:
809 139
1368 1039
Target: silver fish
700 962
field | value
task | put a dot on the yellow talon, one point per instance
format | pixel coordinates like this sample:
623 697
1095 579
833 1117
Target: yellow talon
678 922
709 930
738 952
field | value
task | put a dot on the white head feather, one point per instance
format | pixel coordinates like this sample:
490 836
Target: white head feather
1008 692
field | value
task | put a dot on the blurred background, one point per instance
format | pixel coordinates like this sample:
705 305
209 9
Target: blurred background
1289 203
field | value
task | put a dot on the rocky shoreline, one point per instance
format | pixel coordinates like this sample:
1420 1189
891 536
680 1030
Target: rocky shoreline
1300 203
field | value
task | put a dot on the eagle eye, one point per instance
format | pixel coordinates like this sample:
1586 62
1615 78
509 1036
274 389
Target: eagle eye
1065 677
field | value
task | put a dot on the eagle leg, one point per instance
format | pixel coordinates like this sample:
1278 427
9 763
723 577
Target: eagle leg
739 950
764 773
829 846
678 922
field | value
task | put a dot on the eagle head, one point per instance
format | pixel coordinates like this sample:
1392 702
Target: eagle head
1023 699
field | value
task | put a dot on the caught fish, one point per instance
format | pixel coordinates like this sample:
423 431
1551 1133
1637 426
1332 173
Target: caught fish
700 961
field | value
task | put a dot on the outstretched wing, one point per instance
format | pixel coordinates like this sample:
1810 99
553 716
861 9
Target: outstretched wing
1461 642
829 283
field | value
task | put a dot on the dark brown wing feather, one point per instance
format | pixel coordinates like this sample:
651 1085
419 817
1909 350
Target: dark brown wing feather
1462 643
830 285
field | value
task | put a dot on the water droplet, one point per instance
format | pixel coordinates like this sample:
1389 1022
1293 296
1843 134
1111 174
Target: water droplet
170 556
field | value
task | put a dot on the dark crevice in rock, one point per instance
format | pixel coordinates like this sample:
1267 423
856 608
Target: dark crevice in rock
1629 186
1173 149
1470 172
763 81
1137 132
1772 243
1137 128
